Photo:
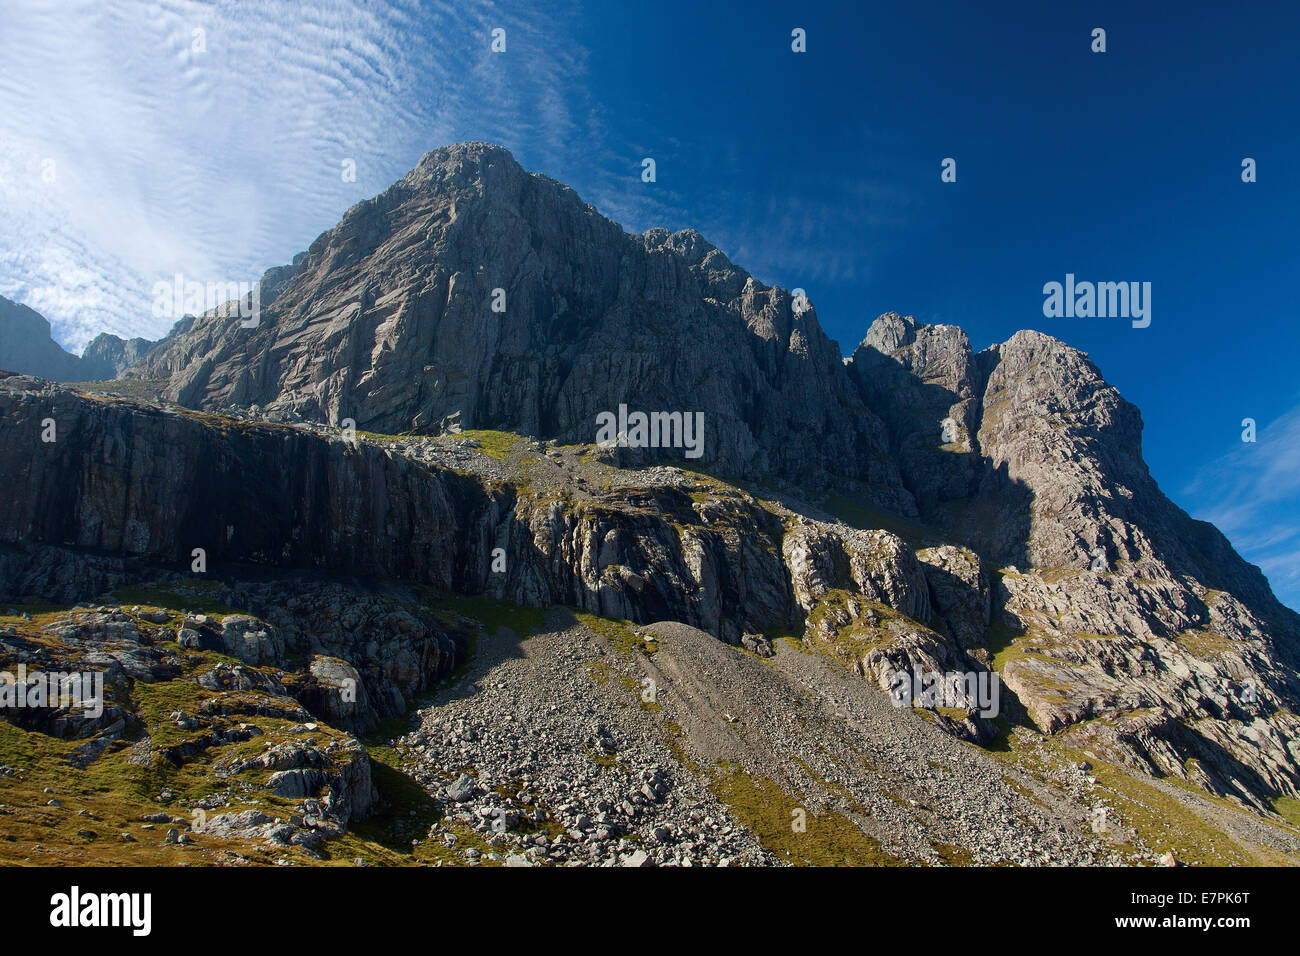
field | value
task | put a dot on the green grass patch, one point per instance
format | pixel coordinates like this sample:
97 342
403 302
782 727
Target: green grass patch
493 613
866 518
619 633
193 596
494 444
830 838
1288 808
1163 822
1001 641
1205 644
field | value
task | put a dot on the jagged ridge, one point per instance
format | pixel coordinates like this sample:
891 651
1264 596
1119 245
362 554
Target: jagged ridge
1173 656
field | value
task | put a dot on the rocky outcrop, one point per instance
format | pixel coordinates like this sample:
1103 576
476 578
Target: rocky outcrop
961 592
107 357
27 346
1164 675
389 320
877 565
1024 532
1045 469
130 651
1114 608
923 381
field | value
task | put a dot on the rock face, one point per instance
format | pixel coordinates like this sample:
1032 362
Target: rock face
108 356
924 383
27 346
388 320
1045 469
157 486
999 514
1115 610
1060 432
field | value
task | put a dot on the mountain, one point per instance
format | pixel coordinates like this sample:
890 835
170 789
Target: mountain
27 346
107 356
713 637
388 320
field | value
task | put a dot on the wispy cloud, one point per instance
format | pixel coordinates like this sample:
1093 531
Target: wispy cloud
815 227
140 139
145 138
1252 493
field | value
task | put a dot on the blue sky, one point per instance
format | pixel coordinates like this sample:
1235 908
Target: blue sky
818 170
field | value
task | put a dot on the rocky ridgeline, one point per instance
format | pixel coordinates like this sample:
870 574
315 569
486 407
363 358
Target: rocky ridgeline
1159 673
1021 452
26 346
915 505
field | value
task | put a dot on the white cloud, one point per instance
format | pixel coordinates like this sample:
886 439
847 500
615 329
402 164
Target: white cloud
1252 494
221 163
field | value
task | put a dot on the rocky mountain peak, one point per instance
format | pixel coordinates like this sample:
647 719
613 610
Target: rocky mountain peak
889 333
474 294
917 506
27 346
691 247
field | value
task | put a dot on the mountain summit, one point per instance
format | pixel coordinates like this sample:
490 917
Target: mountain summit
389 321
472 294
416 407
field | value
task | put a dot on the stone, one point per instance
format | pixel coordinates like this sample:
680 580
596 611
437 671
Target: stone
462 788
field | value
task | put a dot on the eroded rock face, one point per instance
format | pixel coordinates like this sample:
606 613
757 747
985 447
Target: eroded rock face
388 320
1053 426
157 486
1028 535
961 592
1116 610
28 347
1155 673
107 356
877 565
924 383
1045 469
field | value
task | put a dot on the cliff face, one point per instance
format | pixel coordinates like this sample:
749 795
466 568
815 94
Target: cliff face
1025 453
918 505
107 357
1150 667
155 485
388 320
27 346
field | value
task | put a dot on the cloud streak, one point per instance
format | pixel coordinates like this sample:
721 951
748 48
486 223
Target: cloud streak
147 138
141 139
1252 494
